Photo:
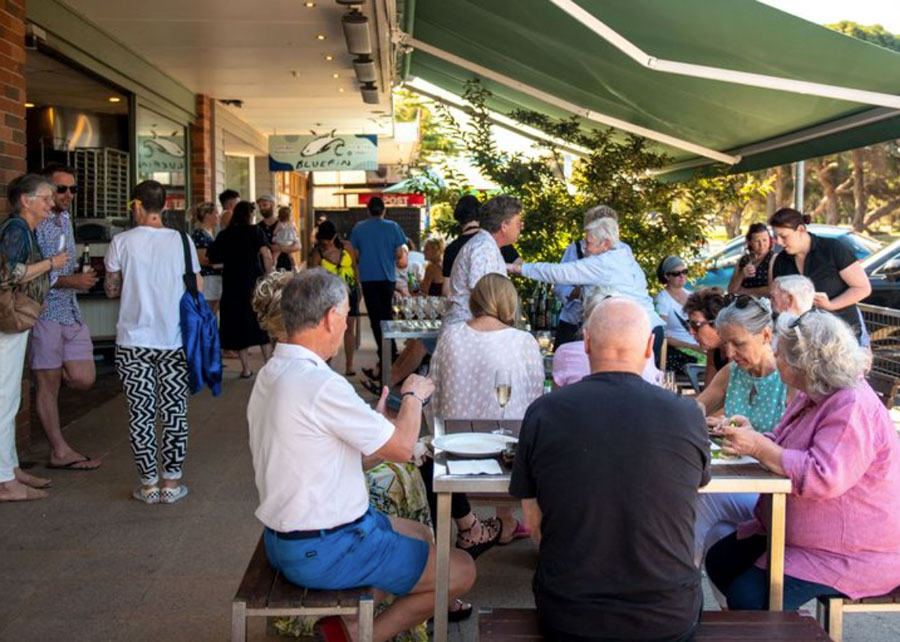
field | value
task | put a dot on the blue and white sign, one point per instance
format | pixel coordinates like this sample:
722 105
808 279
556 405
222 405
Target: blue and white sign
331 152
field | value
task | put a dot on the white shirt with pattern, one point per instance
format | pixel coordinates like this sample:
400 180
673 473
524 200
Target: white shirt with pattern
478 257
463 368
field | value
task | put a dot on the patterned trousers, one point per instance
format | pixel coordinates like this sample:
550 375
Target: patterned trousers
155 380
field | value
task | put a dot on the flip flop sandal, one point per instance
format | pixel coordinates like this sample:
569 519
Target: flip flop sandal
172 495
246 375
477 548
146 495
72 465
370 373
372 387
461 613
31 494
521 532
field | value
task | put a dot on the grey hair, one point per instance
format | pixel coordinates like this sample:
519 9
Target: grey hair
494 212
603 229
308 297
598 212
26 185
755 317
824 349
800 288
594 295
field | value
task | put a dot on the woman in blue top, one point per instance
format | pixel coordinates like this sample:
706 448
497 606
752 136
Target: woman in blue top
749 386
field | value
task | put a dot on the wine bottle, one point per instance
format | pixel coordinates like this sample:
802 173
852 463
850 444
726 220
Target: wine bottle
84 264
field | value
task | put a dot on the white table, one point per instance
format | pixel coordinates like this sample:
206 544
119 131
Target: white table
726 478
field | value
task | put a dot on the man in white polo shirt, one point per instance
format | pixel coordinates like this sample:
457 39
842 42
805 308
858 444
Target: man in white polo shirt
309 432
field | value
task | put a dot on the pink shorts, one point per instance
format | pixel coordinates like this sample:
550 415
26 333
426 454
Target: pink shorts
53 344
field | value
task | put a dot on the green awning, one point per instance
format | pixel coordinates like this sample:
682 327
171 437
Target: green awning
538 44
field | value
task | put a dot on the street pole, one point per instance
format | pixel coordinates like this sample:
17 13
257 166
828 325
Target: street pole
799 180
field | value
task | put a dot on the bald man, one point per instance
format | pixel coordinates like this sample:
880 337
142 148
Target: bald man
608 471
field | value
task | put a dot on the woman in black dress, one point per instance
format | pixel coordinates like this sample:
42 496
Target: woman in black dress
243 250
838 276
751 276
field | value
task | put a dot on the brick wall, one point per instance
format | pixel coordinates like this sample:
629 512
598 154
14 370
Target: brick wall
12 136
12 91
202 171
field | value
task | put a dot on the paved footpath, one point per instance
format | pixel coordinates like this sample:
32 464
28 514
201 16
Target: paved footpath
92 564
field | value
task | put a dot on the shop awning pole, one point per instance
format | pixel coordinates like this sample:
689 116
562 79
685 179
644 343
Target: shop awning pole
717 73
550 99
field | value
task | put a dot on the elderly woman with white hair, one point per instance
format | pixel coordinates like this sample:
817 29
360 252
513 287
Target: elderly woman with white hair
792 294
838 446
608 263
749 386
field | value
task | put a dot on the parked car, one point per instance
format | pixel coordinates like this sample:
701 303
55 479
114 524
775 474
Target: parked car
721 264
883 269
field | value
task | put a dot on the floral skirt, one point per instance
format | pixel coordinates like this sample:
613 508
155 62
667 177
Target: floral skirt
394 489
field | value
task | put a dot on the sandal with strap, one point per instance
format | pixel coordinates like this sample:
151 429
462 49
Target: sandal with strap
519 532
474 547
147 495
462 611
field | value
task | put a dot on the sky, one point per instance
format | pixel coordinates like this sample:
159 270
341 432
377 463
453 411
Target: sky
865 12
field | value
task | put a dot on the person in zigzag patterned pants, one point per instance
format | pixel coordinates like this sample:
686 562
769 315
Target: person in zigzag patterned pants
155 383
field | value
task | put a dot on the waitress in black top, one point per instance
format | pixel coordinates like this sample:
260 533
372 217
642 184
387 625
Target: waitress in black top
751 276
836 273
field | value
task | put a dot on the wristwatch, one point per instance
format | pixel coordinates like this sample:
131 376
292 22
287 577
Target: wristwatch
424 402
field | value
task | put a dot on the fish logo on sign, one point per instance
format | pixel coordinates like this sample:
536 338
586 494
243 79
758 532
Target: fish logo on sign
327 143
164 146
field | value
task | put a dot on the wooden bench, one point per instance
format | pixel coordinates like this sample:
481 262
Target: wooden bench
831 610
265 592
521 625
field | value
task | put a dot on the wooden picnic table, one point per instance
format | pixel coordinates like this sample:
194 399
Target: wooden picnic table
726 478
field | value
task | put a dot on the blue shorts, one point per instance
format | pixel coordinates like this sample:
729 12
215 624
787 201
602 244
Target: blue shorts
430 345
367 553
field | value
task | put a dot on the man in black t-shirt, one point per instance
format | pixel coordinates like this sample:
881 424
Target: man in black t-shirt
266 205
608 471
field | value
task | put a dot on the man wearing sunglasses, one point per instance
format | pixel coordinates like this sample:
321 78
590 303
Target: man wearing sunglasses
61 347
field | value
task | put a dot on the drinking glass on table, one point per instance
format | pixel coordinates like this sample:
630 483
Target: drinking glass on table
502 393
396 303
544 340
668 382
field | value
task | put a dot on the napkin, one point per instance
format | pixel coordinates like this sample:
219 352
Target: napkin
474 467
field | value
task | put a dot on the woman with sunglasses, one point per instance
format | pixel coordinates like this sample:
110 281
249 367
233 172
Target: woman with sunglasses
838 276
750 386
838 446
751 276
670 307
701 309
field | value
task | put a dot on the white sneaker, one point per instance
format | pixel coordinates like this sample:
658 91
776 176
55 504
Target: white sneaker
172 495
147 495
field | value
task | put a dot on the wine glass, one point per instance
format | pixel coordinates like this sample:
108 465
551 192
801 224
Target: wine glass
668 382
502 393
396 302
544 340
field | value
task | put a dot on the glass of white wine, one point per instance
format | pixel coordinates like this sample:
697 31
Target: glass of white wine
502 393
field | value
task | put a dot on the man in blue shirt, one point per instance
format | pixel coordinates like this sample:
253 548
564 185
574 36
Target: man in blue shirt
380 248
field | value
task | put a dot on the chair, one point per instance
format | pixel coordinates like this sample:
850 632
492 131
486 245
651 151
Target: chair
694 373
885 386
830 610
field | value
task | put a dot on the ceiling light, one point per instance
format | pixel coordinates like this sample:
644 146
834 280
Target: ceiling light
335 75
320 36
365 69
309 5
295 73
29 105
341 90
369 93
114 99
356 33
329 57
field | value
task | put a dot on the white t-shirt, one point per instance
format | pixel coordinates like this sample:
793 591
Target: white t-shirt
670 309
308 432
151 261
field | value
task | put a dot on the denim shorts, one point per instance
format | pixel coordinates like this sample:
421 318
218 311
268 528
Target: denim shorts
367 553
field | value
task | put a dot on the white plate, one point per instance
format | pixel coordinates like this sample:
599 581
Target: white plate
713 447
473 444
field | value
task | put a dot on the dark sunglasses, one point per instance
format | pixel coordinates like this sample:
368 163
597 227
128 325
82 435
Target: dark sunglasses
796 322
678 273
696 325
741 301
61 189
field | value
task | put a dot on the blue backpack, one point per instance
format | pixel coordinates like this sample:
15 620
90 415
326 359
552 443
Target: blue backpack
199 333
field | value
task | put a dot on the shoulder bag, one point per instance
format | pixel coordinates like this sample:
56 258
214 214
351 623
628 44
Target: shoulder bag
18 311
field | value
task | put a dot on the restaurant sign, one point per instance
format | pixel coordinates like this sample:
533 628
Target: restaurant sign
160 154
395 200
331 152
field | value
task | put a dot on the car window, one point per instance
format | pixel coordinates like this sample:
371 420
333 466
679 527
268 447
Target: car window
860 246
874 265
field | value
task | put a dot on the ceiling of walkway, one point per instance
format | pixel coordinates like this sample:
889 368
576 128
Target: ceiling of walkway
266 54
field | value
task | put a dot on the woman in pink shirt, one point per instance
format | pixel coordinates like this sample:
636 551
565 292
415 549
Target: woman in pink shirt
838 445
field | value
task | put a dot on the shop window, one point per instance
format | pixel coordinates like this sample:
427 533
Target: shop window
162 155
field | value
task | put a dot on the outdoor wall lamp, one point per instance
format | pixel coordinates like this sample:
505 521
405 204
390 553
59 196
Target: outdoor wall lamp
356 33
365 69
369 93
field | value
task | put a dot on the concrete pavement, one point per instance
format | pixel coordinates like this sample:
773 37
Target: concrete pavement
90 563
